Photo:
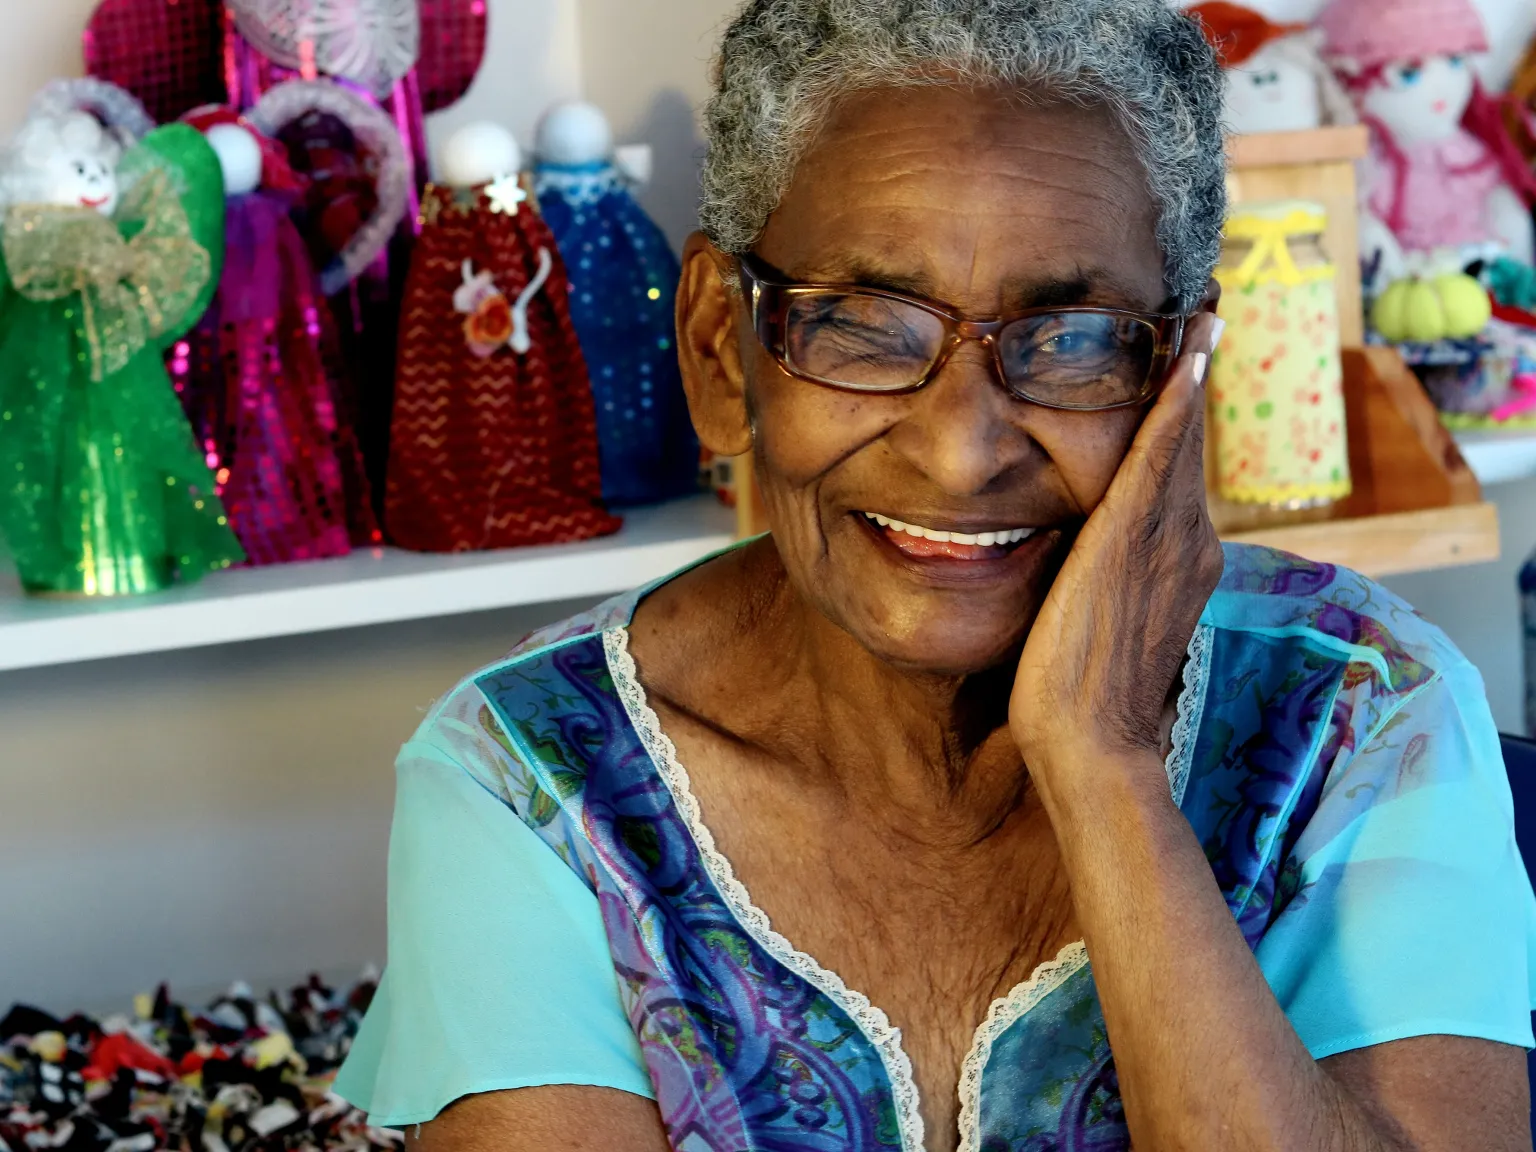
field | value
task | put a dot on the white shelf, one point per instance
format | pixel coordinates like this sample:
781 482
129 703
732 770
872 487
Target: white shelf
377 586
1499 457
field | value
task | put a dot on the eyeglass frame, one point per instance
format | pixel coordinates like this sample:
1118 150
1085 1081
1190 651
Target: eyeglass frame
768 295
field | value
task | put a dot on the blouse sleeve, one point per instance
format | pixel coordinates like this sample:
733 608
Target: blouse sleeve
499 974
1412 913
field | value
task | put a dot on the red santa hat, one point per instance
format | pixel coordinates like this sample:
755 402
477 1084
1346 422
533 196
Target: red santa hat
277 174
1238 33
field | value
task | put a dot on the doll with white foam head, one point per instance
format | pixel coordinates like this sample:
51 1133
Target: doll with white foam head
493 442
68 160
624 279
1443 172
106 256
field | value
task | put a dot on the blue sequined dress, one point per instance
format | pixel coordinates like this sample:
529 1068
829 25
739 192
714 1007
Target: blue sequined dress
623 286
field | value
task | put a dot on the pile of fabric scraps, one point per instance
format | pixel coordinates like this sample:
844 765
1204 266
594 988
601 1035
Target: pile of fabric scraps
244 1075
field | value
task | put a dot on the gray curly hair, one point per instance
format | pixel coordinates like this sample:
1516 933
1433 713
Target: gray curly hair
784 64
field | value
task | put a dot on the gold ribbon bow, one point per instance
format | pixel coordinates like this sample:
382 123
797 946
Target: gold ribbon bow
1269 236
131 291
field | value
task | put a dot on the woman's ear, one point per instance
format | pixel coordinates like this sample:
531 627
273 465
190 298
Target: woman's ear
709 349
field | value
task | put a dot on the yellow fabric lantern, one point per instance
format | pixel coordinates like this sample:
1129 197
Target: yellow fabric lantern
1277 383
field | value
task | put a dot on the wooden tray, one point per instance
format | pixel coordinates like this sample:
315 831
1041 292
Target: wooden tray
1416 504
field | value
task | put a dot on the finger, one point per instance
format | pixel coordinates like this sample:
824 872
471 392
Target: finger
1173 428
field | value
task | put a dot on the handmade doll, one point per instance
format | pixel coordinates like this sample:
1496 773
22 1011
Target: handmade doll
107 259
1443 171
623 279
1276 79
494 442
260 375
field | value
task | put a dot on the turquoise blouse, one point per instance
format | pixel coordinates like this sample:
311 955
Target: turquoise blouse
558 912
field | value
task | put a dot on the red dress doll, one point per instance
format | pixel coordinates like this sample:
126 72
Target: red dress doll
494 441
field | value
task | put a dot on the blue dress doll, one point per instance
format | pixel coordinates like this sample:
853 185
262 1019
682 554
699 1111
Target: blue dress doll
623 278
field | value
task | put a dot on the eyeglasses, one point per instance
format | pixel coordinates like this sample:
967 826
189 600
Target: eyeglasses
868 340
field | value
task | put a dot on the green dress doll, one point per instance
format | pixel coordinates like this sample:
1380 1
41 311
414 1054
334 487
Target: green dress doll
106 259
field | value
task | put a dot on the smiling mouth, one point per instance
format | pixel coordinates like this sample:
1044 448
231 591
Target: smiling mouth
87 202
920 542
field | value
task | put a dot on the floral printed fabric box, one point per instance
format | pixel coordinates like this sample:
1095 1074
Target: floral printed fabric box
1277 383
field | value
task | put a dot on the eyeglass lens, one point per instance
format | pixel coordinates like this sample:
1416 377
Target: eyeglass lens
1073 359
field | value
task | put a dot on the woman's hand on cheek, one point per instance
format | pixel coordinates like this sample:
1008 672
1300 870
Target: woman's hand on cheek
1111 637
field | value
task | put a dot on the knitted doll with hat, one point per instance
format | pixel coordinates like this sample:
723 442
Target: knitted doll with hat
1443 171
1276 80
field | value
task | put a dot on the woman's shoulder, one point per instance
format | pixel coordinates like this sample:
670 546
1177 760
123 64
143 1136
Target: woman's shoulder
1344 746
486 726
1283 598
1326 692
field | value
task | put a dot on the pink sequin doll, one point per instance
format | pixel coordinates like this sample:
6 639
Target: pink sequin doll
1443 171
261 376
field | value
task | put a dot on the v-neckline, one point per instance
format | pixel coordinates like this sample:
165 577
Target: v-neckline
868 1017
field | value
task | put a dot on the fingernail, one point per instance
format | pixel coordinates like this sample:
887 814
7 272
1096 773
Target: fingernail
1201 359
1216 330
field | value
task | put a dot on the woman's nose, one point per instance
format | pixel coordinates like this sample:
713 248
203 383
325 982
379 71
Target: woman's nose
963 430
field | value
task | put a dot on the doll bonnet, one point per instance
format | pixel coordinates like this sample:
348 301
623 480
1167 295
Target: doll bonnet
1363 36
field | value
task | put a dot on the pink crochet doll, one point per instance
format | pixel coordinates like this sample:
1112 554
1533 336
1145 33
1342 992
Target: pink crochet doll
1443 172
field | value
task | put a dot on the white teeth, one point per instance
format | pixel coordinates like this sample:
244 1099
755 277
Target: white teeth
984 539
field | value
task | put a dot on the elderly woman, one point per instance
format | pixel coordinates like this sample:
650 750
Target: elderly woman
1016 814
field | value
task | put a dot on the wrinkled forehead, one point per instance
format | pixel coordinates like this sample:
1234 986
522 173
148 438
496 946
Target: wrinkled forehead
986 198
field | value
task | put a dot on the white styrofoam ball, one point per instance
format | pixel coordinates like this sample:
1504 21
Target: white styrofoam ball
239 155
477 154
574 133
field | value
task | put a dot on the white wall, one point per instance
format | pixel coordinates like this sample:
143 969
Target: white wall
646 63
198 816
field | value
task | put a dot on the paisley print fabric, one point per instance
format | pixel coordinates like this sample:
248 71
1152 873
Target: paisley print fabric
1335 760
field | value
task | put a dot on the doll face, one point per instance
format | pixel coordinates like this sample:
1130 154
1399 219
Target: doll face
81 177
1421 100
1273 91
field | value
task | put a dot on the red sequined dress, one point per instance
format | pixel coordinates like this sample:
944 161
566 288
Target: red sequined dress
494 440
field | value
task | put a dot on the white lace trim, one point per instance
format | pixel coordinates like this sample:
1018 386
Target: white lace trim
1191 710
1004 1014
581 188
871 1020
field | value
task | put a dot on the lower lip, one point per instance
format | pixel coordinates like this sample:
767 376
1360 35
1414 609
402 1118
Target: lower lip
93 203
958 561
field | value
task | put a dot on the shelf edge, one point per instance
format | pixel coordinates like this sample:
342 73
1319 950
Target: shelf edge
313 610
1393 544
